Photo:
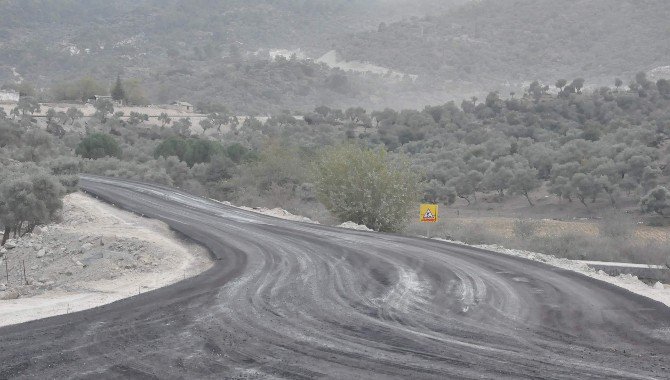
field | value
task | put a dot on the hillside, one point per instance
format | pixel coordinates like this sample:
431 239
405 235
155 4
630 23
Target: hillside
208 51
493 41
197 50
54 38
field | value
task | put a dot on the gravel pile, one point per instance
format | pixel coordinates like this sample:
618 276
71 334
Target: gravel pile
57 259
96 248
354 226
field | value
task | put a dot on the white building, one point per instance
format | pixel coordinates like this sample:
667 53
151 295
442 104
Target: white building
9 97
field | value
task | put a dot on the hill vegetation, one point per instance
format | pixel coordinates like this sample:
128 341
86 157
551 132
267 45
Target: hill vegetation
574 142
209 51
200 25
492 41
599 150
189 49
579 146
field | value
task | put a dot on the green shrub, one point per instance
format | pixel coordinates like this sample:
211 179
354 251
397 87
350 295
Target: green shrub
70 182
657 221
150 171
366 187
657 201
237 152
65 166
191 151
98 145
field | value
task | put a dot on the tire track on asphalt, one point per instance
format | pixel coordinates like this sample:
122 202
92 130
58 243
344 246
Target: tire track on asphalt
294 300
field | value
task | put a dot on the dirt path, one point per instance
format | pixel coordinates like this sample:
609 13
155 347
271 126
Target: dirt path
97 255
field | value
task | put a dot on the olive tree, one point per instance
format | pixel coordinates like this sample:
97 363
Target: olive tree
466 185
182 127
26 105
366 187
585 186
524 180
73 114
103 108
206 124
137 118
164 119
498 177
27 201
657 201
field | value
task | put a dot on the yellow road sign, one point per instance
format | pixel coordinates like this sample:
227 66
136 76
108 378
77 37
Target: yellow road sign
428 213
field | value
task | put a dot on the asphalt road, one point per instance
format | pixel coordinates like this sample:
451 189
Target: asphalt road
291 300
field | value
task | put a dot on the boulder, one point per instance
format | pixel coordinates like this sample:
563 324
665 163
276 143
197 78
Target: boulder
41 252
10 244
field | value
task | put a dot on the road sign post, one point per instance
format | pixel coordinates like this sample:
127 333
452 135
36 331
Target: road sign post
428 214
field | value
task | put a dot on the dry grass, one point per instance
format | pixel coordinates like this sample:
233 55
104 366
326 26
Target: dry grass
546 227
660 234
616 237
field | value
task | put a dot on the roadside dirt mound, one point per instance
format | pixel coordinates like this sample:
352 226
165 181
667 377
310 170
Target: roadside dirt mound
96 255
354 226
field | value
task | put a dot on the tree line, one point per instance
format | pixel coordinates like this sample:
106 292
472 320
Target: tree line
609 144
578 145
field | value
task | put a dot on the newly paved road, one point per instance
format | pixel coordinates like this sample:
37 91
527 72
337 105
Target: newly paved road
290 300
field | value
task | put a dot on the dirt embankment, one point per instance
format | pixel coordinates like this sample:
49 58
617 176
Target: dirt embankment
98 254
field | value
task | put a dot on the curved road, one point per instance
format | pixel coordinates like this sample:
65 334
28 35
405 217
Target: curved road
292 300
